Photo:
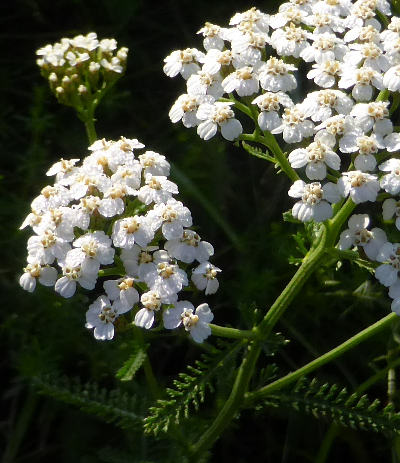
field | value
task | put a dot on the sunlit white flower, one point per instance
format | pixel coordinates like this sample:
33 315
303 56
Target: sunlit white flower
290 40
269 104
391 181
363 80
358 235
360 186
90 251
196 321
387 273
154 163
252 16
390 208
46 247
374 115
46 275
167 279
295 125
122 289
316 156
367 147
324 47
320 105
171 217
66 285
185 109
189 248
242 80
204 83
138 261
275 76
184 62
102 315
130 230
325 72
215 59
157 189
218 115
315 200
205 277
51 197
213 36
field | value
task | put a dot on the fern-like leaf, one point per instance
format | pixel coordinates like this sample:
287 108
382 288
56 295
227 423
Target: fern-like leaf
133 364
112 406
258 152
189 389
338 405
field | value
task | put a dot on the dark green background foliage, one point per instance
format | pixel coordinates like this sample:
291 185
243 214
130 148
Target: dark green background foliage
237 203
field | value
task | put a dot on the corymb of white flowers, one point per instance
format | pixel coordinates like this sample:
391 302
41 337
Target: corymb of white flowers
115 215
80 69
348 143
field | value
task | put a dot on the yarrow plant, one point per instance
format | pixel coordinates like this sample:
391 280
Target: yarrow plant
115 214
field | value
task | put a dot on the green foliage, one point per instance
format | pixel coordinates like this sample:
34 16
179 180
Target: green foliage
190 388
133 364
332 402
113 406
258 152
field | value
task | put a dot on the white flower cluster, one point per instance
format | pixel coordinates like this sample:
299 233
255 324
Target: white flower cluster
77 68
348 143
115 214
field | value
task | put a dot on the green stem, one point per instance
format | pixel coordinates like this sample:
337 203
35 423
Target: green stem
232 333
310 263
233 403
322 360
90 128
270 142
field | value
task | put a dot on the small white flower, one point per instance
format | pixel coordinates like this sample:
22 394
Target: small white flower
275 76
252 16
388 271
189 248
204 83
295 125
374 116
391 79
320 105
315 199
152 302
360 186
138 261
185 109
391 181
122 289
218 115
51 197
242 80
130 230
184 62
315 157
363 81
154 163
102 315
91 251
358 235
205 277
47 246
269 104
213 36
157 189
367 147
325 71
290 40
196 321
167 279
390 208
172 217
61 169
215 59
46 275
66 285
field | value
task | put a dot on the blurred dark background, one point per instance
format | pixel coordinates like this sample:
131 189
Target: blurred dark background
236 202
